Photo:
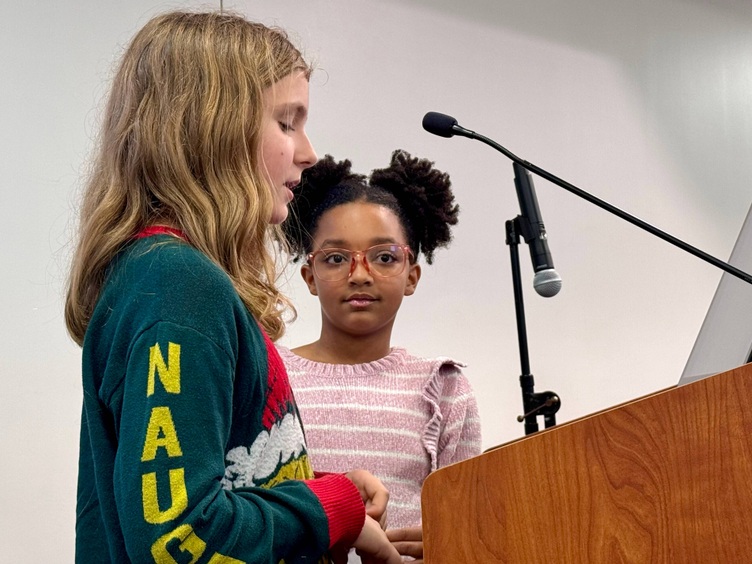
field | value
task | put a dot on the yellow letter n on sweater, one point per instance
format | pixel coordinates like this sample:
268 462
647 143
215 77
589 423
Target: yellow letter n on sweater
161 434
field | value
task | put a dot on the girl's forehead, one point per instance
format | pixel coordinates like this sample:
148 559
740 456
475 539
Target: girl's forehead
359 222
289 93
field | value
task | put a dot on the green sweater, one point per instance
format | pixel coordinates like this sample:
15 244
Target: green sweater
192 448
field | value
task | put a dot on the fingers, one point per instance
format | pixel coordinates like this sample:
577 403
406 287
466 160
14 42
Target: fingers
381 559
380 518
408 541
405 534
376 506
373 492
370 487
414 549
373 545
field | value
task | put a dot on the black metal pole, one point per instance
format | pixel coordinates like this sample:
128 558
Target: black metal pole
527 382
533 405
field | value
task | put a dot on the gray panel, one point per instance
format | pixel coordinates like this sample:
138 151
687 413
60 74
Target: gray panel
725 338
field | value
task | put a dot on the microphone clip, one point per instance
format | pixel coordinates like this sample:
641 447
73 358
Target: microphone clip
542 403
527 231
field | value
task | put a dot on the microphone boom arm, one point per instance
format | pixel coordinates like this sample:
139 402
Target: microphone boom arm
459 130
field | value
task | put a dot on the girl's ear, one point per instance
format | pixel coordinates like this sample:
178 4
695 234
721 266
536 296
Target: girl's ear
413 277
307 273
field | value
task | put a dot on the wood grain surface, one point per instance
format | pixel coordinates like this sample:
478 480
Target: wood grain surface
667 478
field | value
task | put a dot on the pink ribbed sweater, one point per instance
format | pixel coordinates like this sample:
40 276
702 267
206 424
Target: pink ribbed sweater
400 417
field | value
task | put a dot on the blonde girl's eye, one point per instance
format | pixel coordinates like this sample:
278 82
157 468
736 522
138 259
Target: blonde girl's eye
286 127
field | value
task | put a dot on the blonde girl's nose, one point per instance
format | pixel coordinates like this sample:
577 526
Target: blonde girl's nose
305 155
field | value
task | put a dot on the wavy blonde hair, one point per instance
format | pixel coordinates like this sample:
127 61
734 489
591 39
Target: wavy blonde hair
180 145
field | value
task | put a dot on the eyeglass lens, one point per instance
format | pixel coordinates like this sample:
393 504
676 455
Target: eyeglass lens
382 260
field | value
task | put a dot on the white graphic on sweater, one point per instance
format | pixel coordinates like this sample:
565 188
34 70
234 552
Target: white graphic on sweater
271 449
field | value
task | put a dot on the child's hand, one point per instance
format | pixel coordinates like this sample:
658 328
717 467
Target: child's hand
374 494
408 542
374 547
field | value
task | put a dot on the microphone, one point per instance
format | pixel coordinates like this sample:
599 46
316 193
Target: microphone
445 126
546 281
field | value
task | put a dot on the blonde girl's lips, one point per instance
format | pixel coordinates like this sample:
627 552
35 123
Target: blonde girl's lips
290 187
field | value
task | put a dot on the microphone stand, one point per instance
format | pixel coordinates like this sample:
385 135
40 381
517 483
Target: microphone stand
548 403
533 404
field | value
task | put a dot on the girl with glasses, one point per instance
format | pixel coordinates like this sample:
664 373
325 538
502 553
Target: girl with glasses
364 401
191 441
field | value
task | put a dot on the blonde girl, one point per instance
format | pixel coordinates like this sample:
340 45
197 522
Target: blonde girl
192 447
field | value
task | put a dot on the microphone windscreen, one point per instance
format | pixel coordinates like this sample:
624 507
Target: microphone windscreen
547 282
439 124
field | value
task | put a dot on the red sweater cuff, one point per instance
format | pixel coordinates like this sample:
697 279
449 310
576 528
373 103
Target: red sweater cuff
342 505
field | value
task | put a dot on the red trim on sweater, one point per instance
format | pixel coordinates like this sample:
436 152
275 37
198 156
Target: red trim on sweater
160 230
279 396
343 506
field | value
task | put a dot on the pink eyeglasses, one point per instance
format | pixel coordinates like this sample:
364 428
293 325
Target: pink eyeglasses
384 260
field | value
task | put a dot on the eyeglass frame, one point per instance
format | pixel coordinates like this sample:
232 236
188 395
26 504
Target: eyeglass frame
353 261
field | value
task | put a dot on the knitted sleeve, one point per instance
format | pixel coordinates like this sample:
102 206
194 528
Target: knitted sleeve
175 416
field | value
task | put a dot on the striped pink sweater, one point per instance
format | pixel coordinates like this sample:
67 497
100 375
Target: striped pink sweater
399 417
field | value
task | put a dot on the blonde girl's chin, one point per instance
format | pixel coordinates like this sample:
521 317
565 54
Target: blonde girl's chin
279 214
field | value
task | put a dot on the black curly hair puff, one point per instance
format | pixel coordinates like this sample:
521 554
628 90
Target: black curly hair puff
418 194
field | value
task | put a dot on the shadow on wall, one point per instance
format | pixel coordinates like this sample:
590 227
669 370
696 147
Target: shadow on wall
689 61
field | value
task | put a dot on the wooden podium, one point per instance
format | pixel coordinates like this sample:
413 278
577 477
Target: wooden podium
666 478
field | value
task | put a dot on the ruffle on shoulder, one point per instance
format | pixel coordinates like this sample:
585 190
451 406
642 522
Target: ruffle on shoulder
432 392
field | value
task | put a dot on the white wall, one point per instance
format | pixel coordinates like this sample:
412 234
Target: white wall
646 104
